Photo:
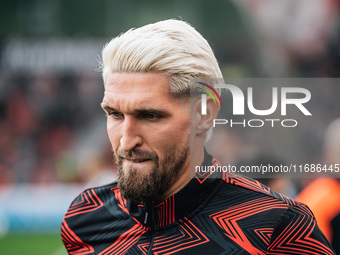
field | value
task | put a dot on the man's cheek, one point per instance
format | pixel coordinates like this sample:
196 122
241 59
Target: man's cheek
114 140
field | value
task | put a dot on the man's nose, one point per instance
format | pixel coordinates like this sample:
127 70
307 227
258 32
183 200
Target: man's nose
130 135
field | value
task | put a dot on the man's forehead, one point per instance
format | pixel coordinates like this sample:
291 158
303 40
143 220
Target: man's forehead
143 82
131 91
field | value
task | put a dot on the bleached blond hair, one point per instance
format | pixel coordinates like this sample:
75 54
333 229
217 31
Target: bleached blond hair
171 47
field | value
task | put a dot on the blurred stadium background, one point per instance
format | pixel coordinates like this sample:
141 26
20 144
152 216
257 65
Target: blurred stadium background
53 141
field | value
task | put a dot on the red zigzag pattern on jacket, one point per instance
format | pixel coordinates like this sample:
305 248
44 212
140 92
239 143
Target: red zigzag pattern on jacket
125 241
188 237
89 202
201 177
228 220
265 234
246 183
296 238
120 199
166 212
73 244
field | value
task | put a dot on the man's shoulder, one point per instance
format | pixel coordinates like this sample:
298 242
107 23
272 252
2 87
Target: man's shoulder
92 199
264 218
96 217
254 187
99 191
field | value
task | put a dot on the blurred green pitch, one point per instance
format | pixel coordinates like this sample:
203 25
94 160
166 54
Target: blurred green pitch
33 244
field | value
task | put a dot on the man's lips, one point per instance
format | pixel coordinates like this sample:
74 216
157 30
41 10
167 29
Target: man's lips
137 160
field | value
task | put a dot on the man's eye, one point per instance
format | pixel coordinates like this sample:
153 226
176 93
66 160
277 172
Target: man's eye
150 116
116 115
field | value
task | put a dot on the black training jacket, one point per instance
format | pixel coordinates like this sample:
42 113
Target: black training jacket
227 215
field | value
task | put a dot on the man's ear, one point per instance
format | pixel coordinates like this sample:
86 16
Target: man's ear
204 122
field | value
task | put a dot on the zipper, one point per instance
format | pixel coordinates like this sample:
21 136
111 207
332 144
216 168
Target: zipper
151 243
152 227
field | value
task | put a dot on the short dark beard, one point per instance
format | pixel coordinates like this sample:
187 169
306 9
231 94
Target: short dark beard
152 185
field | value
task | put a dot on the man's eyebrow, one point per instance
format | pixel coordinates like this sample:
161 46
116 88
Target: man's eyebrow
141 111
105 107
156 111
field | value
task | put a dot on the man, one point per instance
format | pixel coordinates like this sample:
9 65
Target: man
156 208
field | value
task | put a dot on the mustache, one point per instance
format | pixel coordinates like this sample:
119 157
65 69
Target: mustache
135 153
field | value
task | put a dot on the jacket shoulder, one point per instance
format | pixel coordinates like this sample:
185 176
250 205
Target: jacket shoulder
256 186
91 199
295 222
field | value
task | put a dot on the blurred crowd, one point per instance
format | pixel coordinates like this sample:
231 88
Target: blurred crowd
44 122
294 38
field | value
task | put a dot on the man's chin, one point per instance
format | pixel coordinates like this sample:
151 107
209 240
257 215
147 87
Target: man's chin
136 191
